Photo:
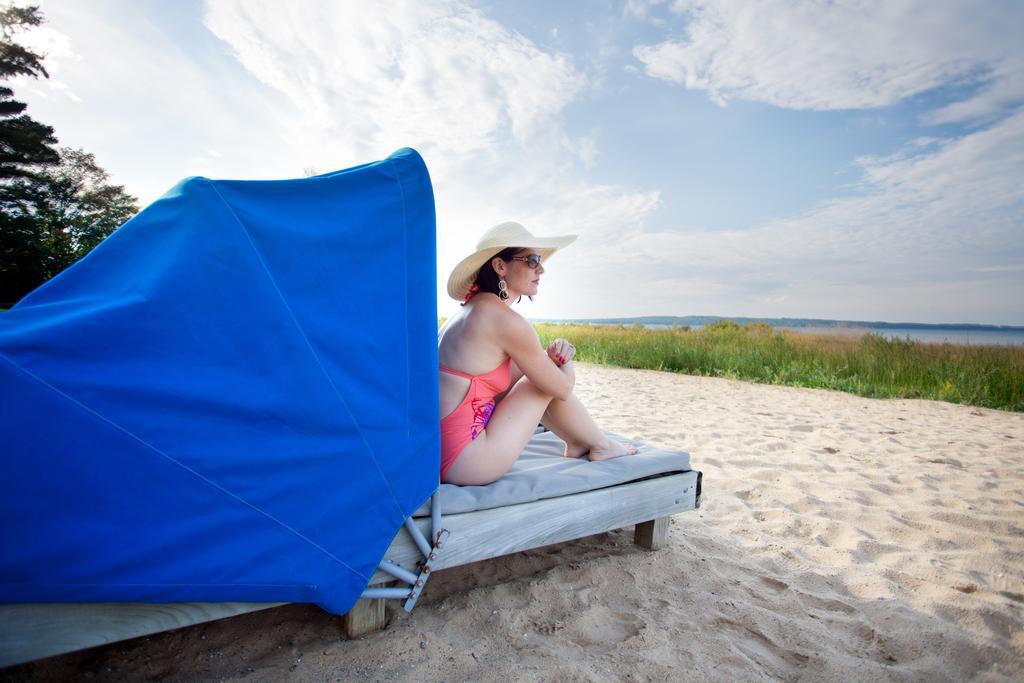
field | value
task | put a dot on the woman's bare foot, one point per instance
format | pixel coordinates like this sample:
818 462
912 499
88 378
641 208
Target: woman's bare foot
613 449
575 451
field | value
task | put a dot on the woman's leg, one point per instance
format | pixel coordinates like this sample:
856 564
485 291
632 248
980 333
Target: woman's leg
511 426
492 453
571 422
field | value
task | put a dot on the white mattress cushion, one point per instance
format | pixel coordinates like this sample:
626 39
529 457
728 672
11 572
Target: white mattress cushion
543 472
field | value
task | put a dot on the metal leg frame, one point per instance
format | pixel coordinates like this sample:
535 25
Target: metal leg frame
416 581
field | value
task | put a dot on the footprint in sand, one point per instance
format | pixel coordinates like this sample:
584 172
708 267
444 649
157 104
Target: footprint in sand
774 584
825 604
549 628
952 462
748 494
603 627
758 647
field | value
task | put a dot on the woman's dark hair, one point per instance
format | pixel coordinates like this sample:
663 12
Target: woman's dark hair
487 278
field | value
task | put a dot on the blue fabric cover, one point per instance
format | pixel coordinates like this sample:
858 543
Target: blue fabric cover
232 398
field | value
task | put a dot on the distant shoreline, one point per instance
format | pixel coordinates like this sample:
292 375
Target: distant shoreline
702 320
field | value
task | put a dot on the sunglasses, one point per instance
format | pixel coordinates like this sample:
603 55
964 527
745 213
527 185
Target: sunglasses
532 261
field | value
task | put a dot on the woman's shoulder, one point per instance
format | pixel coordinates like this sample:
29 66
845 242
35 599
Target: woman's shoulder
492 309
498 321
487 315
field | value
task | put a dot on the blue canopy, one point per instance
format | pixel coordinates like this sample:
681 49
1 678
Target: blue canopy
232 398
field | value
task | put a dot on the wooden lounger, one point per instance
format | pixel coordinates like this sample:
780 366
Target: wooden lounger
34 631
484 534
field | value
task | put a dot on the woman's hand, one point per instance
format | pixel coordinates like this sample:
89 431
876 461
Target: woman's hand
561 352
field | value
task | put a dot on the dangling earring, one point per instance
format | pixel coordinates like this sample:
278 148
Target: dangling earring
502 290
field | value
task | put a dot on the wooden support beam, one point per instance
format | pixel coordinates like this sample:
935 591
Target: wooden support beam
652 534
366 617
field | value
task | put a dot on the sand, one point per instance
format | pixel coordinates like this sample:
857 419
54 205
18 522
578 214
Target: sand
840 538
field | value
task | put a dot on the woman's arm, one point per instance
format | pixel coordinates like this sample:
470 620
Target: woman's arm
520 341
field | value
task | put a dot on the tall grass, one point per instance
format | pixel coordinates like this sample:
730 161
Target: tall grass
989 376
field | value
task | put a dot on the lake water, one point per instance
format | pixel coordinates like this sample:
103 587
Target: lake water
951 335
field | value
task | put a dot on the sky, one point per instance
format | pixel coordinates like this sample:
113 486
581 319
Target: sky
843 160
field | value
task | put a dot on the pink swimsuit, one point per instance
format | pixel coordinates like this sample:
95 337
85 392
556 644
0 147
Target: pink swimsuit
470 417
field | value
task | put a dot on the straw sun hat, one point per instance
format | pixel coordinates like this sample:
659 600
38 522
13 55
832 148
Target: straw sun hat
501 236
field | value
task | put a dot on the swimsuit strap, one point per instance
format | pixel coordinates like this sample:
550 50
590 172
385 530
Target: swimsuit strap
503 368
456 372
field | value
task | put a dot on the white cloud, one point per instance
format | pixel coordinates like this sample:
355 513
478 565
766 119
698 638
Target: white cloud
57 50
482 104
931 232
845 55
1003 90
132 89
374 75
587 151
640 8
55 46
935 231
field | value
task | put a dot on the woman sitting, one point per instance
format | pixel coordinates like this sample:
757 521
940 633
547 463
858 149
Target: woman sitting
497 381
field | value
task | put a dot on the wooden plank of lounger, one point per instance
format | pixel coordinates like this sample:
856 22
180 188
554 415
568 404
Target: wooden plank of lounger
491 533
34 631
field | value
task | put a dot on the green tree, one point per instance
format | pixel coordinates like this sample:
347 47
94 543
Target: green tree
54 218
16 59
23 255
55 204
25 144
